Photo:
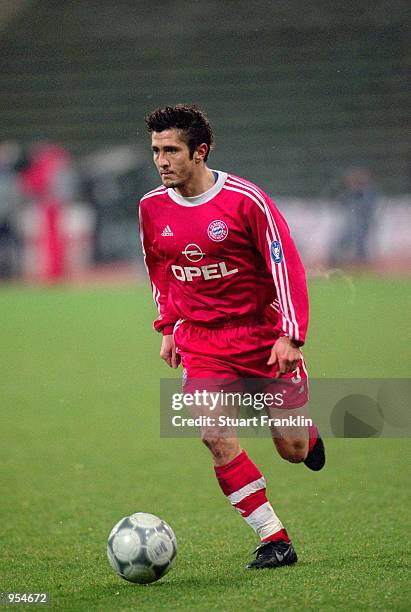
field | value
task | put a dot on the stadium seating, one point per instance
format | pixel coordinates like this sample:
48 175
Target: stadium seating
294 98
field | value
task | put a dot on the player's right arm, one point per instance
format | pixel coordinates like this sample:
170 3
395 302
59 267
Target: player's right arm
157 273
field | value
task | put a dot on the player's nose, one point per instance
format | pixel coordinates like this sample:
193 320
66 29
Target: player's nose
162 161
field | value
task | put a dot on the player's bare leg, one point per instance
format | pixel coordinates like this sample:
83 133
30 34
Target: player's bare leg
223 450
292 449
221 440
300 444
244 486
308 450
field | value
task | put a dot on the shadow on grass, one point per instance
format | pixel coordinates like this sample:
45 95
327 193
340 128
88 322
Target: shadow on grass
238 578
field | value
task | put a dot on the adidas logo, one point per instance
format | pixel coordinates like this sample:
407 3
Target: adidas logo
167 231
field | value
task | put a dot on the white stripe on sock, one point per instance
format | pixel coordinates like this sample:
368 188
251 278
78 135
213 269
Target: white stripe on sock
245 491
264 521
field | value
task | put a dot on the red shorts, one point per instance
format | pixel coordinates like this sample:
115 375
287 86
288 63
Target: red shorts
236 351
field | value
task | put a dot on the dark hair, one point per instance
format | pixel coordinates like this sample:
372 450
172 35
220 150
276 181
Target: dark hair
192 121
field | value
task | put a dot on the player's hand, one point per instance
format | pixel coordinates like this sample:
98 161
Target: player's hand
168 351
286 354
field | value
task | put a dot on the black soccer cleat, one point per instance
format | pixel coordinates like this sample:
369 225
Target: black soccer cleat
273 554
315 459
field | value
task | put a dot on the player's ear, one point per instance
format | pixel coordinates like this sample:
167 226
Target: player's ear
200 152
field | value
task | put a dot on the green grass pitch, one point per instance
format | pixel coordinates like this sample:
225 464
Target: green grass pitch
80 448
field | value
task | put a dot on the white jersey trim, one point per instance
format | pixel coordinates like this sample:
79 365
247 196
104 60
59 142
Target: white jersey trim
279 271
154 192
203 197
244 193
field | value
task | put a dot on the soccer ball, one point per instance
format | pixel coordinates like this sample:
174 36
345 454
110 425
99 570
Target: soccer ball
141 548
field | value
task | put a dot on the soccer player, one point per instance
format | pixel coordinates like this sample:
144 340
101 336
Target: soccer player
232 300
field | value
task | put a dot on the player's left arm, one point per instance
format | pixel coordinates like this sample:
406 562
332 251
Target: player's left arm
286 354
272 238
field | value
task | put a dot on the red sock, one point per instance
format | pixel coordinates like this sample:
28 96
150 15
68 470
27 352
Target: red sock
313 433
244 486
280 535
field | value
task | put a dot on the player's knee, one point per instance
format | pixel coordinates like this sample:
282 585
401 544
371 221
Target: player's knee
294 451
222 449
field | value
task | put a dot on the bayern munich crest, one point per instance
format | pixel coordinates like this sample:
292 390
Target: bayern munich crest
217 230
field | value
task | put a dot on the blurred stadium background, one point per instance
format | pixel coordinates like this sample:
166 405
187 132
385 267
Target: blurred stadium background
312 103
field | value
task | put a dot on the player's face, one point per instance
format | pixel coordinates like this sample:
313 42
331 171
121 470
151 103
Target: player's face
172 158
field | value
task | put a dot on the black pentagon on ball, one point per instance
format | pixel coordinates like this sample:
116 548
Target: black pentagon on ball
122 524
164 528
122 565
144 532
142 556
160 570
125 523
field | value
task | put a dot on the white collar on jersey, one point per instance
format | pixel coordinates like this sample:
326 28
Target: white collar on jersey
203 197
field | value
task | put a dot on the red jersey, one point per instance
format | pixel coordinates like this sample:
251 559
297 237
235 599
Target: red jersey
222 255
